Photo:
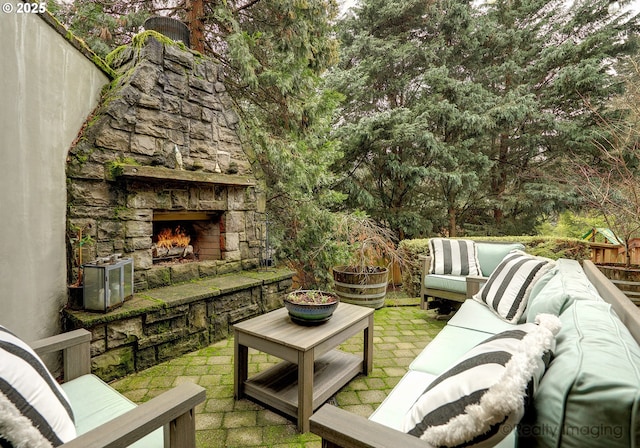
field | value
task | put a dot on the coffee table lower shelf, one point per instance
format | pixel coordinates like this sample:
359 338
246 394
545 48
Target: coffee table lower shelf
277 386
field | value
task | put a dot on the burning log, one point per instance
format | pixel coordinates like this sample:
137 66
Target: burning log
172 252
172 244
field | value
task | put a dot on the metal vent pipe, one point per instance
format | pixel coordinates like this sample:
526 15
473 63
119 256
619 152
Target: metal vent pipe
172 28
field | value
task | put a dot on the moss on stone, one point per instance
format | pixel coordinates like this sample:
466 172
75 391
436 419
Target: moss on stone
139 40
114 364
119 211
115 54
158 277
104 66
159 327
109 90
115 168
140 304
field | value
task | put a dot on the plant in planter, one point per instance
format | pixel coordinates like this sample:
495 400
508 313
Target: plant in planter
76 289
310 307
364 280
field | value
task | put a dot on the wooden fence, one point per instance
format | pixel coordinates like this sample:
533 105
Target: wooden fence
604 253
611 260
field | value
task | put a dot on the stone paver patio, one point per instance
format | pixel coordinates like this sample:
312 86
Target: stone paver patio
400 333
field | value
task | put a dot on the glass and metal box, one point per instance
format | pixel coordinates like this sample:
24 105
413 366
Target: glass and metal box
107 284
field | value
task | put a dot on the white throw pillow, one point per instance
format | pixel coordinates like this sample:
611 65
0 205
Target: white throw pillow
480 400
455 257
507 290
34 410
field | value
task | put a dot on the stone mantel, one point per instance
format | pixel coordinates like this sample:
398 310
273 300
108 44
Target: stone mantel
163 174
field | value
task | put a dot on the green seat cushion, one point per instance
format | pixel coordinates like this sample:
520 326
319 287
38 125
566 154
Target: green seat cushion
477 316
392 410
590 394
491 254
558 289
446 348
454 283
94 403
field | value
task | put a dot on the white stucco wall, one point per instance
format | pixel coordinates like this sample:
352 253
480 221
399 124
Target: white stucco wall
47 90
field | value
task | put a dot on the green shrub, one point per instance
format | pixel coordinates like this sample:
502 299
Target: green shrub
555 247
411 272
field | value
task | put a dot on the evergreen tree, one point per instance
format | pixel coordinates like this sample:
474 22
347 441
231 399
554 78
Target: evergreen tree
491 97
541 61
455 107
402 131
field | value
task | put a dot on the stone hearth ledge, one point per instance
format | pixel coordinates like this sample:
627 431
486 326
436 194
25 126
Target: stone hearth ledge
180 294
162 323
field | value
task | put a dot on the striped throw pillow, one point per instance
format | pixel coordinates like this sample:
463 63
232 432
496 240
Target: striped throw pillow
507 290
480 400
455 257
34 410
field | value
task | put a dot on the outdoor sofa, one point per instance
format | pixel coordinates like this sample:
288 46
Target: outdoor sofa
34 409
588 396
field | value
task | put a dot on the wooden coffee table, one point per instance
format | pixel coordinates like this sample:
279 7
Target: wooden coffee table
312 371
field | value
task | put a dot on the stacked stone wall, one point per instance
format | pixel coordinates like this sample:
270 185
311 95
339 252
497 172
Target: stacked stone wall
132 340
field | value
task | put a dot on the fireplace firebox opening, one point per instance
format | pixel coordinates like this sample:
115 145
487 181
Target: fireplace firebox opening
185 236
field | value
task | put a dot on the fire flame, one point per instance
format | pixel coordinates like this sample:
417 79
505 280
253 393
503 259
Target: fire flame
168 238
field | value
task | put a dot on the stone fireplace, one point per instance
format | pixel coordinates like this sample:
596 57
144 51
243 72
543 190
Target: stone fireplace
162 155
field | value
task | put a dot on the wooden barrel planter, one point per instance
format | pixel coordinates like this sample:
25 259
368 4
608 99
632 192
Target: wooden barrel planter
361 288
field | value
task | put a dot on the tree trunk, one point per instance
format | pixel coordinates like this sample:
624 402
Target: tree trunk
499 183
627 252
452 223
195 22
497 215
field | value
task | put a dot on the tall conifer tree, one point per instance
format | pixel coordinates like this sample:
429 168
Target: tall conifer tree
544 60
493 97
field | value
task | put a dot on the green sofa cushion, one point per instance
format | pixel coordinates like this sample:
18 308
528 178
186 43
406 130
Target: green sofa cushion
94 403
454 283
558 289
535 290
491 254
477 316
446 348
590 394
393 409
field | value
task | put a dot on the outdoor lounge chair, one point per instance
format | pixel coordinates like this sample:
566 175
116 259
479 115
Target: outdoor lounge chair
105 418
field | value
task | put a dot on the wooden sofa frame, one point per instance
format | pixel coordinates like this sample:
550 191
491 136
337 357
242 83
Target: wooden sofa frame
174 410
339 428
